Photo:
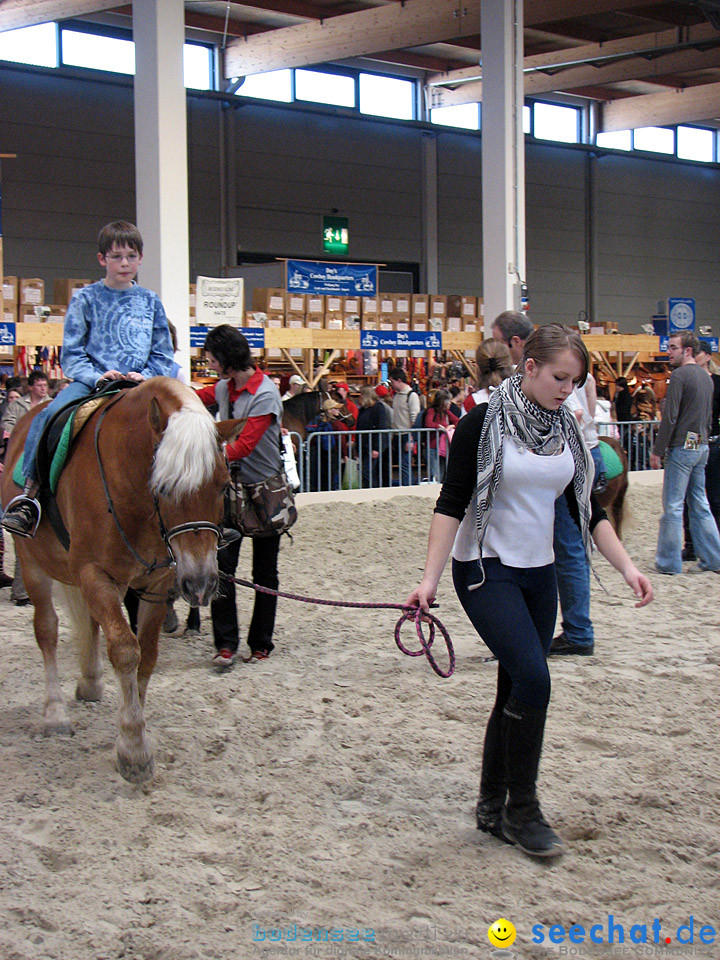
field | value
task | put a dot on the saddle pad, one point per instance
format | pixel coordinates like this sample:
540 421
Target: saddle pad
58 460
613 463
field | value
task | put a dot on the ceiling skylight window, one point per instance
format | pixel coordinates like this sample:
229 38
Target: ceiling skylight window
466 115
197 62
615 140
554 122
275 85
386 96
97 52
34 45
319 87
694 143
654 139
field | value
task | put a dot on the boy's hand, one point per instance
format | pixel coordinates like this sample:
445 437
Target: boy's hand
137 377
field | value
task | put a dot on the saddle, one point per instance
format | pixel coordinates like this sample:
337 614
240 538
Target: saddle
54 447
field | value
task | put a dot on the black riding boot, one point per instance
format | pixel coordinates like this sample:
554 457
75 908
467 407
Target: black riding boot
493 787
523 824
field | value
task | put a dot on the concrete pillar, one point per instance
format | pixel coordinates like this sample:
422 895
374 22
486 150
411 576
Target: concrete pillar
503 156
429 271
161 158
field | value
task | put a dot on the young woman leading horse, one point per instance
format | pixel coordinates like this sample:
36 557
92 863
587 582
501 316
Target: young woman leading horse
142 500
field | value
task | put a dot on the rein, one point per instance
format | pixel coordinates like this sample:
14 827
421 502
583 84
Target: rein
166 535
414 614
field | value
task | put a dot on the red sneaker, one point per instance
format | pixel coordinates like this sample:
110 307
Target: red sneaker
224 659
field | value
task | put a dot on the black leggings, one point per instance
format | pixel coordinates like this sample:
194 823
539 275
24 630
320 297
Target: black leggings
514 612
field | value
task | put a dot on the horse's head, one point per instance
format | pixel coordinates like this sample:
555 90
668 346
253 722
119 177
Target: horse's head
189 477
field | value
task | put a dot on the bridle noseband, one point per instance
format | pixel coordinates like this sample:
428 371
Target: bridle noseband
192 526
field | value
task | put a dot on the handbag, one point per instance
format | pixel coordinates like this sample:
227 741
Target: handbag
264 509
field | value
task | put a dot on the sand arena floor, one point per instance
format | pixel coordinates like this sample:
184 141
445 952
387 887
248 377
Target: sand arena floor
331 788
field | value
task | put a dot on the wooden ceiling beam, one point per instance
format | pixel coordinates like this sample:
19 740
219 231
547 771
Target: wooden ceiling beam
636 68
27 13
660 109
412 24
645 43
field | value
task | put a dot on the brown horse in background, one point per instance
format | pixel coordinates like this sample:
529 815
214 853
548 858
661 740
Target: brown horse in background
613 496
141 497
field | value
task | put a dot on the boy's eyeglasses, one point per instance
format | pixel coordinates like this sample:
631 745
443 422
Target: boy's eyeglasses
118 257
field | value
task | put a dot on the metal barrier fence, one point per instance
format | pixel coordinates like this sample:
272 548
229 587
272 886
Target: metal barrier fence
371 459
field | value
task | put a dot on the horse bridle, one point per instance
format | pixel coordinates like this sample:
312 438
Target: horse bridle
193 526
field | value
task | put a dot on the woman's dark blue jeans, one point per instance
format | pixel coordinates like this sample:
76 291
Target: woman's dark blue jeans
514 612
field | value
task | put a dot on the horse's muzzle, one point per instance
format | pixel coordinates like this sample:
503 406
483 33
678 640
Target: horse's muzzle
199 591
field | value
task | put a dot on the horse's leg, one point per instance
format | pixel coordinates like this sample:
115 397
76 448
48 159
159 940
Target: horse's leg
134 755
150 618
87 636
45 622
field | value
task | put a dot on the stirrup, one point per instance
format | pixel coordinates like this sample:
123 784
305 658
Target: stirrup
38 510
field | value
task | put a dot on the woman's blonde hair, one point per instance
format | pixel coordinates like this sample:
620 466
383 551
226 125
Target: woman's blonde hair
367 396
494 363
545 343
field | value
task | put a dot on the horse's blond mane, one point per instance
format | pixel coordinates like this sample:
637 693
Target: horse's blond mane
186 456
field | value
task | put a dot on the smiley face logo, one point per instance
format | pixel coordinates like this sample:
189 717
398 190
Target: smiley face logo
501 933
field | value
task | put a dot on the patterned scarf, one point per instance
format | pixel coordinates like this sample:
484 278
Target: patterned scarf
541 431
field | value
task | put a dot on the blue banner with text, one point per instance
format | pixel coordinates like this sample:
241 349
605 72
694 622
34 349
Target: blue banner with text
341 279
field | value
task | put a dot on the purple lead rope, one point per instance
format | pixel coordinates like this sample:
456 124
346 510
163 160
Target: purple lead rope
408 613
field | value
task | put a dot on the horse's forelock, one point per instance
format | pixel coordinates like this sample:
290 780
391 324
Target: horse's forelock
186 456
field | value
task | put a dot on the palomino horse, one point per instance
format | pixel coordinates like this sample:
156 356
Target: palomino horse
141 493
613 496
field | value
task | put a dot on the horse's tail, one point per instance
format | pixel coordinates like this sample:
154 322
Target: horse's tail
79 614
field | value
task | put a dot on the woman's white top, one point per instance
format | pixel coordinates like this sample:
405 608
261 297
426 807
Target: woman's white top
522 521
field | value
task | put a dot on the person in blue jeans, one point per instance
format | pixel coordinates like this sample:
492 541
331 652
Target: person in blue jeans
510 459
682 440
571 564
114 330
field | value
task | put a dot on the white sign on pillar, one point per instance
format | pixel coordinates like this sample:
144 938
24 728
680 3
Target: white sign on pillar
161 158
503 155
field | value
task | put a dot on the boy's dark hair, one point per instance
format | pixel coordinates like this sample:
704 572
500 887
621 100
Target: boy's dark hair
397 373
37 375
120 232
229 347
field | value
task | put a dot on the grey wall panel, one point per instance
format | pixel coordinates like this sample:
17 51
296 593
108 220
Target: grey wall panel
656 224
657 236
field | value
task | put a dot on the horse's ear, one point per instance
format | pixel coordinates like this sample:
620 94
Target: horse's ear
158 418
230 429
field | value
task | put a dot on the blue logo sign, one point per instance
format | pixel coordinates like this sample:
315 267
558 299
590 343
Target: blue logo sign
7 334
255 336
400 340
341 279
681 314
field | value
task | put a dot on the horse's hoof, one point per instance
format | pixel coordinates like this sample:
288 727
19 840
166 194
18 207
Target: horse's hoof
54 728
89 690
135 772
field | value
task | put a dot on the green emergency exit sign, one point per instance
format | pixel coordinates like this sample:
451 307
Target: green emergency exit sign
335 234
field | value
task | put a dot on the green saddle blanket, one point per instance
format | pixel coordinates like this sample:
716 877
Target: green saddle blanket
58 460
613 463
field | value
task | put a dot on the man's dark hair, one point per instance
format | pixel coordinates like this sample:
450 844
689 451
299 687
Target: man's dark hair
120 232
687 339
230 348
397 373
37 375
13 383
512 323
